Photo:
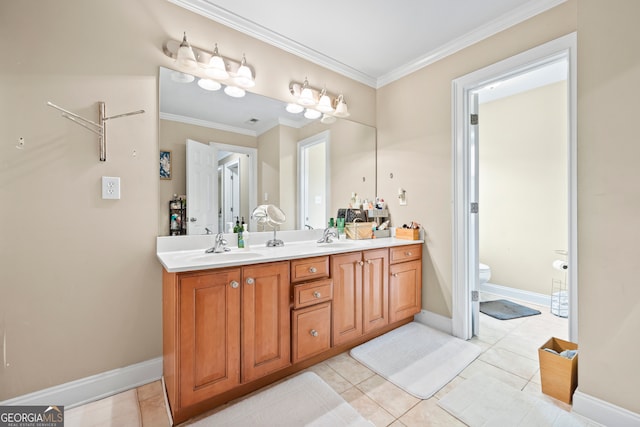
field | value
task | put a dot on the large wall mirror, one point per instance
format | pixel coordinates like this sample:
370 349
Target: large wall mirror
229 155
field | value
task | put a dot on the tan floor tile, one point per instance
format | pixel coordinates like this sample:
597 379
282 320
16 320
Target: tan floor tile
367 407
397 423
428 413
150 390
331 377
119 410
154 412
480 367
447 388
387 395
524 345
510 362
349 368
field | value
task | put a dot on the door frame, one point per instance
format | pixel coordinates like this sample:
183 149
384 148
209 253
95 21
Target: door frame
321 137
464 277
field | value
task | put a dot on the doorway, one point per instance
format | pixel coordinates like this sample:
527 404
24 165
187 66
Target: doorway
313 181
466 176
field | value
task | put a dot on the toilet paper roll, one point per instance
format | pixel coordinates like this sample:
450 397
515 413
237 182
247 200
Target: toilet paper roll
559 265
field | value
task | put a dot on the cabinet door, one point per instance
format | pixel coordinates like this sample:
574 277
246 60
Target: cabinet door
209 325
346 271
405 290
266 322
311 331
375 300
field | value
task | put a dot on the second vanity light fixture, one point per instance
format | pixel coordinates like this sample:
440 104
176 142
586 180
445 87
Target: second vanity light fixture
316 103
235 75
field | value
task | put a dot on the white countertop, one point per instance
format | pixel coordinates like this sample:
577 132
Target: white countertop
187 253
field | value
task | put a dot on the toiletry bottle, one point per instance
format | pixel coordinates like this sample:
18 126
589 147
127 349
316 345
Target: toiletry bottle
242 224
236 229
245 236
240 239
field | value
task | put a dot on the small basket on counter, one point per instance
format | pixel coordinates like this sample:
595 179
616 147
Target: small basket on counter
359 230
411 232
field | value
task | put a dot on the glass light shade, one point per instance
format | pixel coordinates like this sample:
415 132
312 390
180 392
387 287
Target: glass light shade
324 104
327 119
217 68
341 108
185 57
208 84
234 92
180 77
312 114
306 97
294 108
244 77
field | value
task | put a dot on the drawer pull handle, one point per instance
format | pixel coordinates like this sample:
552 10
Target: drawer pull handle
250 281
407 253
234 284
361 262
369 261
313 333
312 269
317 294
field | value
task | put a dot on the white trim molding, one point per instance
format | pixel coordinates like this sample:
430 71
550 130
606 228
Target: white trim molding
522 295
603 412
95 387
238 23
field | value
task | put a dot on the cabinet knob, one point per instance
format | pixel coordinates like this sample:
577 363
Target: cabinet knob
312 269
317 294
395 274
234 284
360 262
407 253
369 261
250 281
313 333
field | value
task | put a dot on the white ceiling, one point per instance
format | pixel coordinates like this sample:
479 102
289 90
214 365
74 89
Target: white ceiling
371 41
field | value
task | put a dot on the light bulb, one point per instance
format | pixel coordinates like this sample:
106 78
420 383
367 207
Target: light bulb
312 114
341 108
294 108
244 77
217 68
208 84
324 104
306 97
234 91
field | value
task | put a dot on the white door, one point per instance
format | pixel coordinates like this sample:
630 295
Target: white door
202 188
231 180
313 181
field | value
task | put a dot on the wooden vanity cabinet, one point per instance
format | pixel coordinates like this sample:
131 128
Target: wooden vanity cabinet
223 328
405 282
360 293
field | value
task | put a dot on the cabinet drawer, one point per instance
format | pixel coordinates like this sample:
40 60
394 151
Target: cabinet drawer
309 268
312 293
311 331
405 253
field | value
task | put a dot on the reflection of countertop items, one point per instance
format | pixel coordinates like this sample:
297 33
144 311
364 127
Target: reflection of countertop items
186 253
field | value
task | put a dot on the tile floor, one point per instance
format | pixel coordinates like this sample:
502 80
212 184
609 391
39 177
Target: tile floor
509 353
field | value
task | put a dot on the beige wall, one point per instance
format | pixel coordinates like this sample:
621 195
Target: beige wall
523 187
609 200
269 166
81 288
414 141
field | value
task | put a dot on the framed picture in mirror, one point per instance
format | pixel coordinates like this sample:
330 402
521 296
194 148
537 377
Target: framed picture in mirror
165 164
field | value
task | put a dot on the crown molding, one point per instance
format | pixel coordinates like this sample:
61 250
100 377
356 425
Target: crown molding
238 23
205 123
502 23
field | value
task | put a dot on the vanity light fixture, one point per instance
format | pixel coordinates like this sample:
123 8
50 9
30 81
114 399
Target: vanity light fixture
185 56
212 69
318 103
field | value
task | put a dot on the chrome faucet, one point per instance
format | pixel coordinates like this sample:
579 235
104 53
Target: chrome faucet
220 245
327 235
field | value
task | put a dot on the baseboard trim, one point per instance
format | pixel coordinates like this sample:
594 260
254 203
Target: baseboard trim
95 387
603 412
527 296
435 321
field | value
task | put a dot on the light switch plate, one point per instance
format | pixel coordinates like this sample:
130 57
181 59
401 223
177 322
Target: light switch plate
111 187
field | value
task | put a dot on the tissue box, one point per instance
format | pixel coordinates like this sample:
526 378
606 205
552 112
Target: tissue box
559 375
408 233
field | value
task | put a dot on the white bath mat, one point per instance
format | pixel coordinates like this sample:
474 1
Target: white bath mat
485 401
304 400
417 358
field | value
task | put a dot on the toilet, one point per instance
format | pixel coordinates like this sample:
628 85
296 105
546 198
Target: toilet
485 273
